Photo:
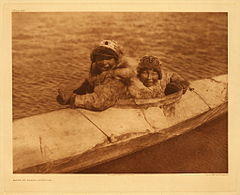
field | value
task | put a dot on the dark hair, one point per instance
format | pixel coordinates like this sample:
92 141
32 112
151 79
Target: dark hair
103 53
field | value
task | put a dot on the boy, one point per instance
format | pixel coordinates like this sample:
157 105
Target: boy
109 76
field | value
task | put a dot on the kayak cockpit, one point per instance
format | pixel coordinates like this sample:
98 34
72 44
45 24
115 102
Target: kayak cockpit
173 95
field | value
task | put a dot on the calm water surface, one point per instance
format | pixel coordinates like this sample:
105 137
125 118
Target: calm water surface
53 48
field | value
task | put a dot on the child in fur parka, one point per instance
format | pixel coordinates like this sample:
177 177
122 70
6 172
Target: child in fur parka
154 82
108 80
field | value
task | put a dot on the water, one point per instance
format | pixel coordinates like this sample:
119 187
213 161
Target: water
53 48
203 150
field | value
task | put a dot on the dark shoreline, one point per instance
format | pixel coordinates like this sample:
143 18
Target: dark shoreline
202 150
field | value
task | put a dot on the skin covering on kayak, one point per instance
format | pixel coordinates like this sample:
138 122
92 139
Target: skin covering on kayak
70 140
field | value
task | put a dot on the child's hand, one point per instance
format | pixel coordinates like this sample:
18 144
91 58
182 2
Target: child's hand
185 86
63 98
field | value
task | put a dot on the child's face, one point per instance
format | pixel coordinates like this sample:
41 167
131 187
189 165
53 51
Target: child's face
148 77
105 65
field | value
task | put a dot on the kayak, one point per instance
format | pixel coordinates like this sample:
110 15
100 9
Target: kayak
70 140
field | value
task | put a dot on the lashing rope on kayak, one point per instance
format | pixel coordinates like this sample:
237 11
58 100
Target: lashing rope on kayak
193 90
109 138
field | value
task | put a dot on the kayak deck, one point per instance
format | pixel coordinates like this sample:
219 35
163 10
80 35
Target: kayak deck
69 140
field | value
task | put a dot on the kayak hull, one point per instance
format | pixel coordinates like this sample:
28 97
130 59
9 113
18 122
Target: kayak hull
53 143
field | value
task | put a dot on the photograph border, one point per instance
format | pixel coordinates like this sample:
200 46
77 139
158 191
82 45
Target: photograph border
116 183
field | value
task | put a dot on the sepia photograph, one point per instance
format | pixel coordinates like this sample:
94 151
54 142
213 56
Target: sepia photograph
120 92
